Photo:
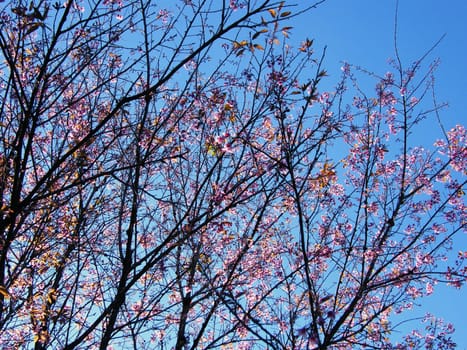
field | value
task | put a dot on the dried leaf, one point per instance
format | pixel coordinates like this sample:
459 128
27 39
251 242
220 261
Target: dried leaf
285 14
257 34
240 52
20 10
237 45
323 73
272 12
52 296
4 292
33 27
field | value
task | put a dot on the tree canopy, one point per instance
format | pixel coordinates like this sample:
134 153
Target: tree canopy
173 177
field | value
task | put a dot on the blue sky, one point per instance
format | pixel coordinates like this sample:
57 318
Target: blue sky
361 32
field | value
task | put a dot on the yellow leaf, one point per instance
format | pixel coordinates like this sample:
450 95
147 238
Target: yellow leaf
273 13
259 47
327 170
4 292
237 45
51 296
257 34
212 150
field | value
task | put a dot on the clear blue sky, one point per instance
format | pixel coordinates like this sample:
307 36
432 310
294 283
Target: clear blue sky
361 32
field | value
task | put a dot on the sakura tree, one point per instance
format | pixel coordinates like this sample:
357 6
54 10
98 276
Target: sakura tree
172 177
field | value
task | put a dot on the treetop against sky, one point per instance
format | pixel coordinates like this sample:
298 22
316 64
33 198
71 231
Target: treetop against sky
181 175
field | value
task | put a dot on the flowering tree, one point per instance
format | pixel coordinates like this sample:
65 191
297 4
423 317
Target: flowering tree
171 177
